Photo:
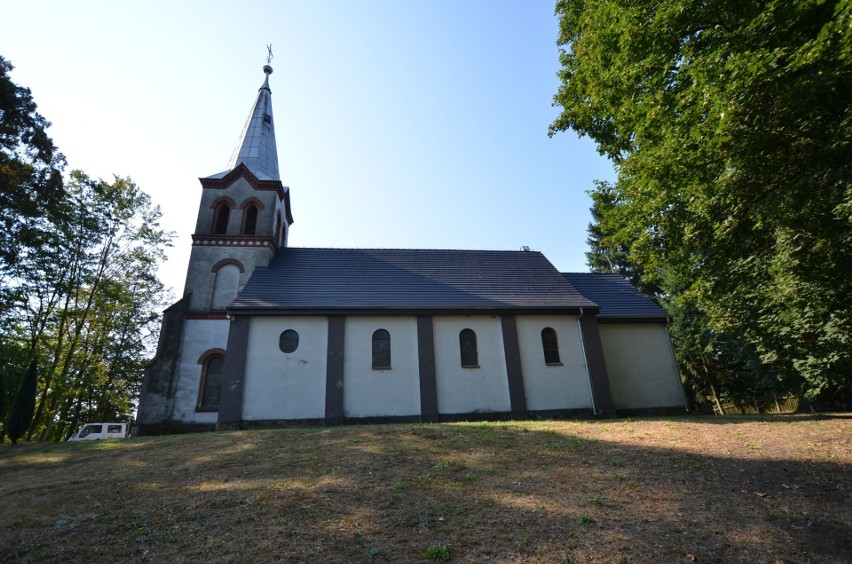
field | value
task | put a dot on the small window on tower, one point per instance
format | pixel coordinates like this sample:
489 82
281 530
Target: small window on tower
250 220
221 217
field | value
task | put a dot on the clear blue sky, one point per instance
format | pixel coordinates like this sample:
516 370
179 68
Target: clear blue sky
404 124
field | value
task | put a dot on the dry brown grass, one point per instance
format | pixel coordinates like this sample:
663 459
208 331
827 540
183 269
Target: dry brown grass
682 489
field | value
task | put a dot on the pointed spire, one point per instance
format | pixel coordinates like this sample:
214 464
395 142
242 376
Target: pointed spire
256 146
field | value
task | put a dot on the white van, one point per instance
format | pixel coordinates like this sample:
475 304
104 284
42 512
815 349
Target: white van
97 431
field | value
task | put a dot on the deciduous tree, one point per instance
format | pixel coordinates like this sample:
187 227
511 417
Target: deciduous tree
79 291
731 129
30 166
89 297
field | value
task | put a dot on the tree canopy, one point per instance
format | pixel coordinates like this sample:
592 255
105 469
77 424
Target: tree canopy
30 165
79 293
729 123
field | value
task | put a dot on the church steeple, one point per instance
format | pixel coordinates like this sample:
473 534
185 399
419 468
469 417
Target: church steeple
256 146
243 217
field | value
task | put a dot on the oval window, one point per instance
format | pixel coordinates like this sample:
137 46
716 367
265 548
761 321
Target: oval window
289 341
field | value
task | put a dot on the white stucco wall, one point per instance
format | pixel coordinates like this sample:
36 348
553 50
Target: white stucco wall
553 387
282 385
640 365
199 336
372 393
469 390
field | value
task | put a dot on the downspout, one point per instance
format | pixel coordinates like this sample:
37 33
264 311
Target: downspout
586 362
676 371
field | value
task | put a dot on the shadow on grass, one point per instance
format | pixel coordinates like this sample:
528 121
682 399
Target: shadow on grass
544 491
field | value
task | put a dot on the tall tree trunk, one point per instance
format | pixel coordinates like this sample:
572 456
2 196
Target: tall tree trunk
57 353
711 382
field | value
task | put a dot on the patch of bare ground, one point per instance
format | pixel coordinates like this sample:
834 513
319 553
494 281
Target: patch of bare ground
686 489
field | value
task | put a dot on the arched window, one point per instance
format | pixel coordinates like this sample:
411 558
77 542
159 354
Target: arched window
226 284
250 220
550 345
467 346
288 341
220 219
381 349
211 383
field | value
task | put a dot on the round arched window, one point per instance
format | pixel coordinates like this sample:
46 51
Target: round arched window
467 344
289 341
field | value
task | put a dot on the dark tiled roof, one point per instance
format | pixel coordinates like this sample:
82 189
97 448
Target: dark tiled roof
398 279
617 297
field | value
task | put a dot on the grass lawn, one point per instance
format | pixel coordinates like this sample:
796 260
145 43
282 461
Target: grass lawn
720 489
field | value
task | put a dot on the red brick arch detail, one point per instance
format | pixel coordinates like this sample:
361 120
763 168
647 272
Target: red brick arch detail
255 201
226 262
206 355
224 200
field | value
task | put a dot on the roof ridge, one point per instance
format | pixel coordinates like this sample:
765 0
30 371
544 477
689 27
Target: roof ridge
412 249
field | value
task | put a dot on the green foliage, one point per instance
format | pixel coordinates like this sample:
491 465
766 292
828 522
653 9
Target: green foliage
78 284
608 253
438 552
13 364
88 298
23 407
30 166
731 129
2 396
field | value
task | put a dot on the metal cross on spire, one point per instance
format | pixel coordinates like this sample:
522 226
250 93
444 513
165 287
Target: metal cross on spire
267 68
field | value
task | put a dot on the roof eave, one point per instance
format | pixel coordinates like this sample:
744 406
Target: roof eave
412 310
242 171
634 319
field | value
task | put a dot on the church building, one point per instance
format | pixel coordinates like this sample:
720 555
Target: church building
267 334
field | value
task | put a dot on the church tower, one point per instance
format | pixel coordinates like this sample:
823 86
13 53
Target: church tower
243 219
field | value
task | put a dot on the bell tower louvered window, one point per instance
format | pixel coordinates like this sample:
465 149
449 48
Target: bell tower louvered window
250 220
220 219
